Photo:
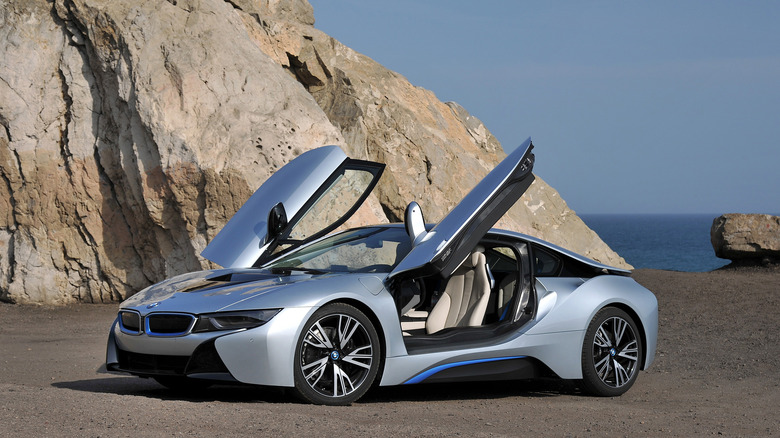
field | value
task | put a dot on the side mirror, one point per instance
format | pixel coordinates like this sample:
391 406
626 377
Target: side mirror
277 220
415 223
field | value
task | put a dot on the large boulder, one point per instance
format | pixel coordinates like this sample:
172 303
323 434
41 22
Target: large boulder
132 131
433 150
747 238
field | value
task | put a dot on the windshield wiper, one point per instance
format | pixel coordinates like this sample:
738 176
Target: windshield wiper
287 270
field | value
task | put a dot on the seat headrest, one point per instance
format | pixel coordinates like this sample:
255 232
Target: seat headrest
475 259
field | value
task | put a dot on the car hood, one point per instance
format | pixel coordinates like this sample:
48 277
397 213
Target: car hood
243 289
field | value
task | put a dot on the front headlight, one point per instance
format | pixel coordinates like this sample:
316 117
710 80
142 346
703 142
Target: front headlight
245 319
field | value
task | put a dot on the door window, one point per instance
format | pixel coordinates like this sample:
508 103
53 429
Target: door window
334 203
545 263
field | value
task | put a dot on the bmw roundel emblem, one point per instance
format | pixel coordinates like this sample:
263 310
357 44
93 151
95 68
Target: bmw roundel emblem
150 306
334 355
612 352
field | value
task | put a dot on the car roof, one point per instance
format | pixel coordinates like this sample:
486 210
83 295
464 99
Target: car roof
561 250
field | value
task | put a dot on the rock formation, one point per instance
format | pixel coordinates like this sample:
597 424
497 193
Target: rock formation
132 131
747 239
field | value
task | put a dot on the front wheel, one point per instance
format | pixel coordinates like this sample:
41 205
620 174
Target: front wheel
611 353
337 356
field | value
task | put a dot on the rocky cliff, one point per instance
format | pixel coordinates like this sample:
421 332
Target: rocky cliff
132 130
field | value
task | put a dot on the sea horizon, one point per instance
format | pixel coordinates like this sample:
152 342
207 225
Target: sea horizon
666 241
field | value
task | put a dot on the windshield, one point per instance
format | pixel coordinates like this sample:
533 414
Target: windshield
374 249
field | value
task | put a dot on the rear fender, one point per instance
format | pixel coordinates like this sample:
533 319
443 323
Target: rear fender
574 309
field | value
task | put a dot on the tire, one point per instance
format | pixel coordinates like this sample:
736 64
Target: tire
611 353
337 356
182 384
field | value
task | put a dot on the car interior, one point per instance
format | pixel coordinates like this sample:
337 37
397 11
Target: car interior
487 290
484 290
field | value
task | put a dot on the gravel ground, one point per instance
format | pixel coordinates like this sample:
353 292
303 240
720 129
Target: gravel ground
715 373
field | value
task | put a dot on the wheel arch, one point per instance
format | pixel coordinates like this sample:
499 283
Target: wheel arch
639 325
370 314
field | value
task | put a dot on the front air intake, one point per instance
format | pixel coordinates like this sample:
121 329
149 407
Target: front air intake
169 324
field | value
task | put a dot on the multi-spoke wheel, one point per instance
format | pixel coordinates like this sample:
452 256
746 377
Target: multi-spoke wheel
337 356
611 353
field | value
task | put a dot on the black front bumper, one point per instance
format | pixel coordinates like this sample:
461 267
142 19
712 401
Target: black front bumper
203 363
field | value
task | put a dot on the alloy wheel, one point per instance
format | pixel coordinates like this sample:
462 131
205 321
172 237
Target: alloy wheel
611 353
336 355
615 352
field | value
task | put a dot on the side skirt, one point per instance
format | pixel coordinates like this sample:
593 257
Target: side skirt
501 368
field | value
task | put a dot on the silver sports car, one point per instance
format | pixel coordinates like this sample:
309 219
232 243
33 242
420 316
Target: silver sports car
331 314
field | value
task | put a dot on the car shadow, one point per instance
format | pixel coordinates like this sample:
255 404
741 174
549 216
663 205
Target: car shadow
258 394
149 388
471 391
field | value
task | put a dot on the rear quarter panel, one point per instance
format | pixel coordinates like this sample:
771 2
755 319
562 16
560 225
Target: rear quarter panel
575 307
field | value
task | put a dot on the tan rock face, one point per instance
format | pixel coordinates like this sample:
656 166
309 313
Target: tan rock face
132 131
435 152
746 237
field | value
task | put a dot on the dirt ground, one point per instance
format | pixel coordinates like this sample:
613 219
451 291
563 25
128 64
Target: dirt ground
715 373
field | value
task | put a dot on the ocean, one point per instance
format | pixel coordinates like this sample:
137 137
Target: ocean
655 241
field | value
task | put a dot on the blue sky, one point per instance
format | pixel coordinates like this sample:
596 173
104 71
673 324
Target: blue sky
634 107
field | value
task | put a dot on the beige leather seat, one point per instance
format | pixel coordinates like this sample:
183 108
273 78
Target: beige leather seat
464 300
506 291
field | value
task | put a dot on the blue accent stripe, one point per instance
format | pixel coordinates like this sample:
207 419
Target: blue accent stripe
506 309
425 374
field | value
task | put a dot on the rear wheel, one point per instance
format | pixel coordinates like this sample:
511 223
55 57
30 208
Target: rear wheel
337 356
611 353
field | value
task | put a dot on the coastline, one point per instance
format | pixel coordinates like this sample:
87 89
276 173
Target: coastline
674 242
